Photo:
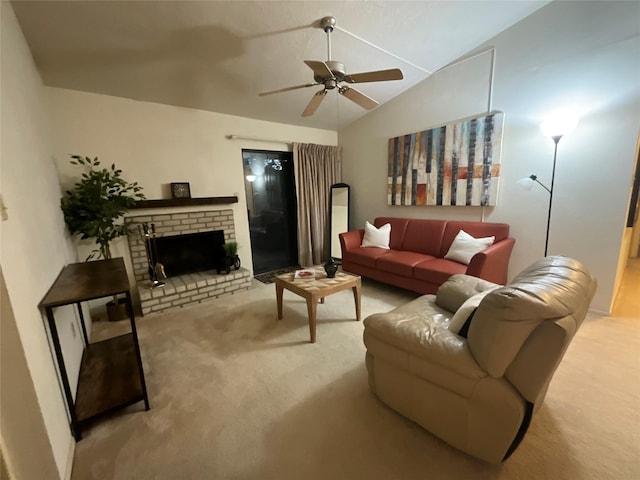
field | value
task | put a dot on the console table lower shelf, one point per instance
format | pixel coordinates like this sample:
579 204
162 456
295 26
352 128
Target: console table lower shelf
108 378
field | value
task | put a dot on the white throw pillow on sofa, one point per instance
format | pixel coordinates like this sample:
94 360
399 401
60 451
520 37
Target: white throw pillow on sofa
376 237
464 247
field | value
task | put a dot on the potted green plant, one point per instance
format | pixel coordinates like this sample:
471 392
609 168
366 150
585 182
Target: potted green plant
231 257
94 208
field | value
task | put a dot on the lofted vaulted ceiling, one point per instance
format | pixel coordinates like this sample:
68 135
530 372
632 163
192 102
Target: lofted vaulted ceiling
218 55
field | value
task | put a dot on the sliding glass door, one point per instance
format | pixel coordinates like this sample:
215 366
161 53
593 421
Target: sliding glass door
271 207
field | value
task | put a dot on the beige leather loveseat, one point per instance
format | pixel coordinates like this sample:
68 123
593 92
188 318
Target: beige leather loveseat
478 393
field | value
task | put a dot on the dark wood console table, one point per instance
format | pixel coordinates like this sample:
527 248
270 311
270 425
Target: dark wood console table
111 375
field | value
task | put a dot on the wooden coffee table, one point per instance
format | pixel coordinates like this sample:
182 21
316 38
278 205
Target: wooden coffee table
315 290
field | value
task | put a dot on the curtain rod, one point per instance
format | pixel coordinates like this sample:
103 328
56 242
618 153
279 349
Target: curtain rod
256 139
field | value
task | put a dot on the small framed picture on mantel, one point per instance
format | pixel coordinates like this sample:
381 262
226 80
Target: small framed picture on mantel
180 190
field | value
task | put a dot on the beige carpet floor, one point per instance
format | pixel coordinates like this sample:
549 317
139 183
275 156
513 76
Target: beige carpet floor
237 394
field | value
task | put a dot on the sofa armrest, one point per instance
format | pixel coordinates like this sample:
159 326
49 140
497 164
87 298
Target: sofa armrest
492 263
351 240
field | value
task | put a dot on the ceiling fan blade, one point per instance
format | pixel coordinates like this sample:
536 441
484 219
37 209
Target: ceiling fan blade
358 97
288 88
315 102
320 69
377 76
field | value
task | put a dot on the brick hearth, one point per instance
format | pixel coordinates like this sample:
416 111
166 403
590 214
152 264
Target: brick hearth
190 288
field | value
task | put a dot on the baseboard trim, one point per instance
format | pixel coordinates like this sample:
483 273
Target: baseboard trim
599 313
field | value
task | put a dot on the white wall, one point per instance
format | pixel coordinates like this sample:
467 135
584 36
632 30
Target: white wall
34 246
583 55
456 93
157 144
22 428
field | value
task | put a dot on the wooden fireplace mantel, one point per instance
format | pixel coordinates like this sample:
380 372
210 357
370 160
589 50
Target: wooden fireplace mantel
185 202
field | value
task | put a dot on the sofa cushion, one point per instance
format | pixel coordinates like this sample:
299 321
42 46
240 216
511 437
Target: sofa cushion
437 270
401 263
398 228
367 256
424 236
464 247
376 237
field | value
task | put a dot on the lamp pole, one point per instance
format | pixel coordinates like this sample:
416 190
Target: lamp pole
555 127
556 139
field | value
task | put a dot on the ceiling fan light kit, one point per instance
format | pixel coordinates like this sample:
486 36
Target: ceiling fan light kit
330 74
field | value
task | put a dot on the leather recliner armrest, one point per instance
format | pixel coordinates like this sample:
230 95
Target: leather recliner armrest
460 287
429 351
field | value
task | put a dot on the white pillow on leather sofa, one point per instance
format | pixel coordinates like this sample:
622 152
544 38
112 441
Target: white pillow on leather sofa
376 237
464 247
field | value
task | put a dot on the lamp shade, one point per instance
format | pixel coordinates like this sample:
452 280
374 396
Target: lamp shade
526 183
559 125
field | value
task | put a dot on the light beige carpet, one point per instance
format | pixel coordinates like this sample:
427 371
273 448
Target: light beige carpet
237 394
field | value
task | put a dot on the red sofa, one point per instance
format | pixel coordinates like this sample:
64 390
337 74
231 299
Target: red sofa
415 258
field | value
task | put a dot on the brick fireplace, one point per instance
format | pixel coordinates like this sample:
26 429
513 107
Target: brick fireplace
195 287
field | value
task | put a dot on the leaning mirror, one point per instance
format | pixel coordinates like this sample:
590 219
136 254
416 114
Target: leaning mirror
338 216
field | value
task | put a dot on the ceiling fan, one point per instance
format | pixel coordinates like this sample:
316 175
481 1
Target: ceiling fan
331 74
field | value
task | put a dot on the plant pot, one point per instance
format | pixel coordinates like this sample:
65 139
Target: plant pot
119 311
236 262
226 264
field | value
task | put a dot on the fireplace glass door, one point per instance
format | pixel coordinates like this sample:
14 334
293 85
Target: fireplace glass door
271 207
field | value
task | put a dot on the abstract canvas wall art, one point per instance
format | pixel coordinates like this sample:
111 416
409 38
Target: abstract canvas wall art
454 164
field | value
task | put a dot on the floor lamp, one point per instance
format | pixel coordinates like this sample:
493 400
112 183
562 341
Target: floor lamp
555 127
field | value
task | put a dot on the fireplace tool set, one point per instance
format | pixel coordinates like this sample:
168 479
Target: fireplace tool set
156 269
